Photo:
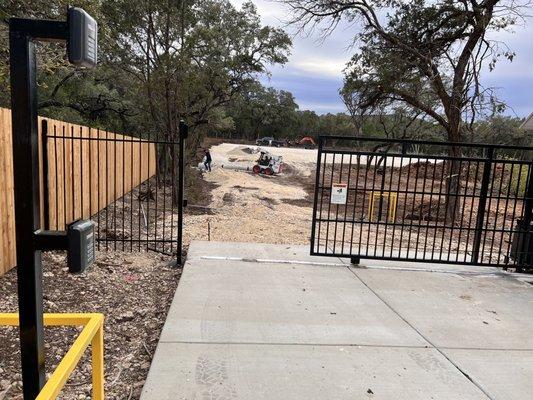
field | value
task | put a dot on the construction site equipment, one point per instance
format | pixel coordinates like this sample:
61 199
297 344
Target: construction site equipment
307 142
92 334
81 245
522 245
268 164
269 141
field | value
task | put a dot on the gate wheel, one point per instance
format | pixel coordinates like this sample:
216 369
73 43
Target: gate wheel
269 171
256 169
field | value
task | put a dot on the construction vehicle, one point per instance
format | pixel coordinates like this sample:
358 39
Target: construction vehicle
307 142
269 141
268 164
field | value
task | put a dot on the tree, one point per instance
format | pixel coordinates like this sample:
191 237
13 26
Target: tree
308 124
500 129
336 124
426 55
54 68
421 51
186 59
264 111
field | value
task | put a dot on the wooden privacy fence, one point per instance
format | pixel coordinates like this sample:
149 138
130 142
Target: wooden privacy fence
7 202
84 170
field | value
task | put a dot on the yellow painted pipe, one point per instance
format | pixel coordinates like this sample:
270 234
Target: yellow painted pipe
92 333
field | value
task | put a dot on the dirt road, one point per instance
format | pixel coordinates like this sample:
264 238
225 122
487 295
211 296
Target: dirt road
254 208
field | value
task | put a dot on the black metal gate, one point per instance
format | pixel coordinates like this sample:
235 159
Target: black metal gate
131 187
411 200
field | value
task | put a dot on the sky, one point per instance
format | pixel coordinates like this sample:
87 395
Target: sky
314 71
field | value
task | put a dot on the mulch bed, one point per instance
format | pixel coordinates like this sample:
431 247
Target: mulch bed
133 290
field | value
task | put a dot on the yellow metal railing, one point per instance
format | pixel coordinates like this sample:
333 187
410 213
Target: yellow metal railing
391 204
92 334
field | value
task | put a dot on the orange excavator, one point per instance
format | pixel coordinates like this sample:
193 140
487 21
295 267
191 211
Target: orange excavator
307 142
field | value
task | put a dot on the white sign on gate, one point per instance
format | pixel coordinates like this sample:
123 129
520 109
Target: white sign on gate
339 193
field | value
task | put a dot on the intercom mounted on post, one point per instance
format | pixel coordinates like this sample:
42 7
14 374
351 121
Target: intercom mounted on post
82 42
80 237
80 32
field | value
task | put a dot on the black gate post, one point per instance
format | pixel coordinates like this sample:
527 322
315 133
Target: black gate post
315 200
528 206
184 132
23 68
525 253
483 193
46 188
27 207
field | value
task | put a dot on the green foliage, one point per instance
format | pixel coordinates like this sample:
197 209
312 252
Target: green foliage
163 61
519 180
160 62
500 129
426 56
260 111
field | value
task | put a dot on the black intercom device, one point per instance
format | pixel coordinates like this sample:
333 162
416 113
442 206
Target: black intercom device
81 245
82 42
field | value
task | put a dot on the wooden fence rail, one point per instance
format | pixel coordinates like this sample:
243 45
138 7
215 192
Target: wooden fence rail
85 171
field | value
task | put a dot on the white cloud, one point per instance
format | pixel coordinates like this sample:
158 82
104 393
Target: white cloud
314 71
319 66
323 108
313 57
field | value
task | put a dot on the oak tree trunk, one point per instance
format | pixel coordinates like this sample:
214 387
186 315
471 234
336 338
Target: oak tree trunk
453 173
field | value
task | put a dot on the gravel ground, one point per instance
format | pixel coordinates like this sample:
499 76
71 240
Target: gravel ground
255 208
133 290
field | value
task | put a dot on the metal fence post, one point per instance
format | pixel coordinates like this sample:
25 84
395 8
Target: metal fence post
46 189
315 201
27 208
528 206
483 193
183 132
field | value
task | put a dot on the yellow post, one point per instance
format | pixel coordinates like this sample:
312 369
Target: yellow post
394 201
391 205
92 333
371 205
97 346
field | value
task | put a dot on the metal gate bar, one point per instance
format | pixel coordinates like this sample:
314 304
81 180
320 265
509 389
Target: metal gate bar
413 200
131 187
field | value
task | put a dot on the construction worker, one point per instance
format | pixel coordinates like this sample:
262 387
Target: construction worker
207 160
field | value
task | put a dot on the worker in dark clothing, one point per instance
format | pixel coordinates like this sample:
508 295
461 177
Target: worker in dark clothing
207 160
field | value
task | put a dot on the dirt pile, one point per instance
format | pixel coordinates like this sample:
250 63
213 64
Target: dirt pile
427 169
427 211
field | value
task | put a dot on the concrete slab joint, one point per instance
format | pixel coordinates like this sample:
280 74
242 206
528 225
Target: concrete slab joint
257 321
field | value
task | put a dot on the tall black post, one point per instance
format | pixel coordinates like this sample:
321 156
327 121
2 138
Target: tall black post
483 193
44 166
184 132
27 208
528 206
315 199
81 44
526 252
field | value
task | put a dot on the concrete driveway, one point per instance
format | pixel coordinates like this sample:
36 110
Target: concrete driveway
255 321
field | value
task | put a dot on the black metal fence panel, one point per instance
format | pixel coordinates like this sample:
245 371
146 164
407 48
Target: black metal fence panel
129 186
423 201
